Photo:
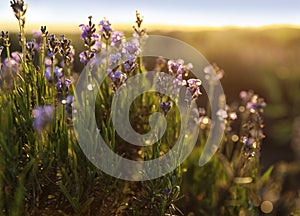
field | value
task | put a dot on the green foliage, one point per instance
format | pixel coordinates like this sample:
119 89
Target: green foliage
43 171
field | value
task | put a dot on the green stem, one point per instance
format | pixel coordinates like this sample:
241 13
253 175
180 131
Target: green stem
23 40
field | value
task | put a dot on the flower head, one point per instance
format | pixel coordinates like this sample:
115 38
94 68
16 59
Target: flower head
166 191
68 103
85 56
193 86
118 78
165 106
19 8
105 30
117 38
42 116
132 48
85 29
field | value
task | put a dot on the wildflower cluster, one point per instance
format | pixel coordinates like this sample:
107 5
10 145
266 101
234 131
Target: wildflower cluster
122 60
180 74
91 41
45 167
253 106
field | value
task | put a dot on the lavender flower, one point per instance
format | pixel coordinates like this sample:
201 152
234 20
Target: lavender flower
43 116
252 102
177 69
85 31
194 87
165 106
118 78
117 39
19 9
90 37
105 30
129 64
53 46
96 47
253 106
114 60
138 30
38 39
47 74
58 72
63 85
16 56
85 56
30 48
131 49
68 104
66 50
11 66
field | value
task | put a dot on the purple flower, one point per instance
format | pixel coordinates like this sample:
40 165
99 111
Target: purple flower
16 56
68 103
37 34
96 47
47 74
19 8
52 45
105 30
117 39
42 116
177 69
69 99
58 72
68 82
114 60
38 38
63 85
252 101
48 61
84 56
132 48
165 106
105 24
194 87
59 86
10 68
118 77
85 31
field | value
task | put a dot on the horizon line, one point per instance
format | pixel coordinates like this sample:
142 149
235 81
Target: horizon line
72 27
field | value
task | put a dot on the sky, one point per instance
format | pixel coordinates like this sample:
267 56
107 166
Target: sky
159 12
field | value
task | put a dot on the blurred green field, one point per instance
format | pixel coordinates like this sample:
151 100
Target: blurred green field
263 59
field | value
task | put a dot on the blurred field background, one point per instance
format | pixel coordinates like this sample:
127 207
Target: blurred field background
264 59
